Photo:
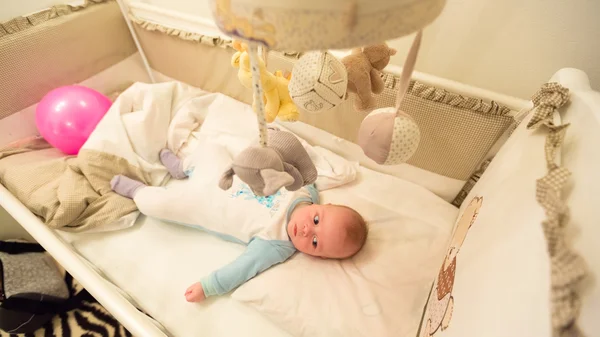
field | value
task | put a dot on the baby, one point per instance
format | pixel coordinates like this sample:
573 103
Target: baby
273 228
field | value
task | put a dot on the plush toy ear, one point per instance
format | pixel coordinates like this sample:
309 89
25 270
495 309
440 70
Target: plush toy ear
227 179
298 179
274 180
235 59
356 51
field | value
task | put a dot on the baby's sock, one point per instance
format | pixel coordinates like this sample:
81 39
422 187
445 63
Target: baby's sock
124 186
172 163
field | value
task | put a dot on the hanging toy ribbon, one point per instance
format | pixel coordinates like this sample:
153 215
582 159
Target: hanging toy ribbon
390 136
279 161
258 94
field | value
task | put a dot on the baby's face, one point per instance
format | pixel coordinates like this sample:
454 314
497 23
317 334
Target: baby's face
322 230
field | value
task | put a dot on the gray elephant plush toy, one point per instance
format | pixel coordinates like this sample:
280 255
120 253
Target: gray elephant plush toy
283 163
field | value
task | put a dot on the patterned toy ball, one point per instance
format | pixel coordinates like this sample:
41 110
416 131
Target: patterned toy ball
387 138
319 82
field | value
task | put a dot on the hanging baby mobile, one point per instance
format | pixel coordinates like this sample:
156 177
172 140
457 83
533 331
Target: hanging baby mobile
319 81
280 160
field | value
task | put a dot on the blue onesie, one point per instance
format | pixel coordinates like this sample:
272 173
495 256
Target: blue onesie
235 215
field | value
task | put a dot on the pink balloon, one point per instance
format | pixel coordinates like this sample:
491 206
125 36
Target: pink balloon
67 115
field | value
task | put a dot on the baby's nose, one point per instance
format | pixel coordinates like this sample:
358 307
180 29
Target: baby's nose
309 229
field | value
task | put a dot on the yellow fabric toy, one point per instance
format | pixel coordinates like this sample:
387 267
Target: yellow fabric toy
278 102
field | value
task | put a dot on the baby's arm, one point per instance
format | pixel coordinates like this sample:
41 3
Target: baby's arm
259 256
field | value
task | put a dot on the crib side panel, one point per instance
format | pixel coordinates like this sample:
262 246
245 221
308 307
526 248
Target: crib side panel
59 46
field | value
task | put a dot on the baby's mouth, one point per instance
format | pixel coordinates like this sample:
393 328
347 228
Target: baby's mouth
295 229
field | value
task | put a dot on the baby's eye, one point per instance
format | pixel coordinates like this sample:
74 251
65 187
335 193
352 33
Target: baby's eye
316 220
314 241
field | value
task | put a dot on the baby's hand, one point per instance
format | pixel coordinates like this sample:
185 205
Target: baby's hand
195 293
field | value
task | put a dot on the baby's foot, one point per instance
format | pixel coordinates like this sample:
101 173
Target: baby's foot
124 186
172 163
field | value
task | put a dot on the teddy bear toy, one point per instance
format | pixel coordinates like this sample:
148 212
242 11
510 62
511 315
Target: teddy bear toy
277 100
364 66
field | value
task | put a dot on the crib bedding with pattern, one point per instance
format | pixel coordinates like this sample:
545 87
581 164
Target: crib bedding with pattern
469 237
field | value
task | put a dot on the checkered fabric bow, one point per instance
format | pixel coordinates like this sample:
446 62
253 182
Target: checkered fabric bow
551 96
568 268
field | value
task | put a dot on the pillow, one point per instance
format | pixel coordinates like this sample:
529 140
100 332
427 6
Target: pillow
379 292
501 275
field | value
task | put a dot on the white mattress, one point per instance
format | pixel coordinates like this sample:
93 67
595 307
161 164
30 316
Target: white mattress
154 262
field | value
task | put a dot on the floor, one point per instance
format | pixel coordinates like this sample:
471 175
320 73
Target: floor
89 319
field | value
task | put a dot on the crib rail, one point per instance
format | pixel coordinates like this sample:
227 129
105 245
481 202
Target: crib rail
124 311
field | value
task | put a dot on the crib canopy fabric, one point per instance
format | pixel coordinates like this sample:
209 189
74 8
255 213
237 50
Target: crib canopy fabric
320 25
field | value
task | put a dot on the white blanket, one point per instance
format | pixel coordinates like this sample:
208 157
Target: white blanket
147 118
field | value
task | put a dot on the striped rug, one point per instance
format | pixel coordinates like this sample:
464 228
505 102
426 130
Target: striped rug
89 319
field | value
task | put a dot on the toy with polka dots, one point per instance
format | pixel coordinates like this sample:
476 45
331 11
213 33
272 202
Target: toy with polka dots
390 136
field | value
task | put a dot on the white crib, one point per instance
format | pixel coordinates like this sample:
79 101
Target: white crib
512 149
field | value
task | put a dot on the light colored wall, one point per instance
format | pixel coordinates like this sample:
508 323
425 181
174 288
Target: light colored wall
509 46
12 8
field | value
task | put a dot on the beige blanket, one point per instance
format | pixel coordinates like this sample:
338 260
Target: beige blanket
73 192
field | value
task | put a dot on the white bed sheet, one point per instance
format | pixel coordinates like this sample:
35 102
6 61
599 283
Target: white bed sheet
154 262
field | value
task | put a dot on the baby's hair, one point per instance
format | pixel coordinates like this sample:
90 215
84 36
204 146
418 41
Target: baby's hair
357 230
